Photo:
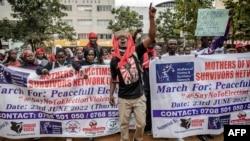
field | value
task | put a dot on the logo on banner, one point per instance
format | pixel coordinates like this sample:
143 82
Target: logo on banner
73 127
187 123
93 128
20 127
242 119
112 124
50 127
218 122
175 72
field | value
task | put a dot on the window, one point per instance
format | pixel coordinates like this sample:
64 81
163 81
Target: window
84 8
4 2
103 22
68 8
68 21
83 36
104 36
103 7
81 22
140 17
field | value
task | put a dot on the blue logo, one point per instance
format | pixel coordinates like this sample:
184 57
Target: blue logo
218 122
50 127
175 72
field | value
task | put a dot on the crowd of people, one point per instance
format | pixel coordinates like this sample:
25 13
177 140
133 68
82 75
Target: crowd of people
129 66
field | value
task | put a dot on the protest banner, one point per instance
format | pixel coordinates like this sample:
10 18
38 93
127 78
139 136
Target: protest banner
61 104
211 22
199 95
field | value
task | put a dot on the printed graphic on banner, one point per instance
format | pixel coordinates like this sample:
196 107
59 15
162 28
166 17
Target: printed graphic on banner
15 77
188 123
22 129
112 124
242 119
73 127
175 72
50 127
94 128
218 122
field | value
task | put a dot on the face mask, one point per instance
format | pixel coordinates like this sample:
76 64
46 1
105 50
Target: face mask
106 61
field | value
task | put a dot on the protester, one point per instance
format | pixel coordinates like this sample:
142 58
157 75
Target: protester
69 54
52 57
149 55
41 58
79 55
60 61
208 47
29 60
172 46
89 55
93 44
158 50
187 50
126 71
12 59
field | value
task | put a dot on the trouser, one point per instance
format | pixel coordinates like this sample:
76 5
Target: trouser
138 107
148 126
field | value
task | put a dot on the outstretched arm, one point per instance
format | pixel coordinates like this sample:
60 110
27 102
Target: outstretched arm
152 27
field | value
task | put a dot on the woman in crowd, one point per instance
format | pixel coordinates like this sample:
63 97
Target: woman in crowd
69 54
29 60
41 58
60 61
12 59
89 56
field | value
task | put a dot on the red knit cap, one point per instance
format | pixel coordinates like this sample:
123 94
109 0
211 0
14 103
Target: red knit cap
92 35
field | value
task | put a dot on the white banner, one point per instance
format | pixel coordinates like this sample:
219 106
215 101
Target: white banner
61 104
192 96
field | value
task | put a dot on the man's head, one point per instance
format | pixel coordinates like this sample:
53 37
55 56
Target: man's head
206 41
187 50
93 38
60 55
172 46
122 37
40 53
157 49
28 56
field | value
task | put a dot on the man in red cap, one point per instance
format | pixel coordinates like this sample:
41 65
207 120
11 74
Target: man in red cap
93 43
126 71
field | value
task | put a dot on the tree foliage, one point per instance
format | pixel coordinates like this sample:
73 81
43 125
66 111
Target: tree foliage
125 19
184 18
166 25
187 13
39 21
241 20
6 29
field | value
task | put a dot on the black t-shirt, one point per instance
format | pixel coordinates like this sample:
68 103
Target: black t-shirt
129 76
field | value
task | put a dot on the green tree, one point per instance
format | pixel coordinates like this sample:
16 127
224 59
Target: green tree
166 25
39 21
125 19
186 15
241 21
6 29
